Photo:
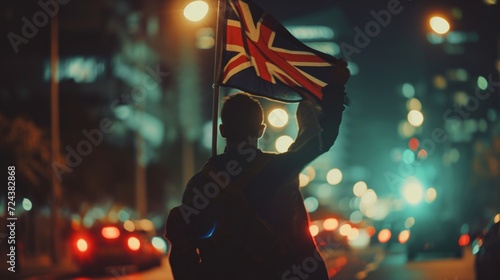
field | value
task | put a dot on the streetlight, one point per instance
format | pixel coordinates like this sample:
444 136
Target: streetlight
196 10
439 25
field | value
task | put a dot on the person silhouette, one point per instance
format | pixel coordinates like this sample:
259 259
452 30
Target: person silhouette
242 216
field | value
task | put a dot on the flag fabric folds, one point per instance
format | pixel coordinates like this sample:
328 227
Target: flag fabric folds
261 57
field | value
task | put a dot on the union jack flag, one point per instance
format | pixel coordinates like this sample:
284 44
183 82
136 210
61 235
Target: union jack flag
261 57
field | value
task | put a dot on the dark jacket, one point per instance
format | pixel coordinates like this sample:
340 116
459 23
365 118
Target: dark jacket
269 186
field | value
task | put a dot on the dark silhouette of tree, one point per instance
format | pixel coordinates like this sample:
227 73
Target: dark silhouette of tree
26 146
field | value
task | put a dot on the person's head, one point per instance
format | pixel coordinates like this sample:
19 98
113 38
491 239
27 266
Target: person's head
242 118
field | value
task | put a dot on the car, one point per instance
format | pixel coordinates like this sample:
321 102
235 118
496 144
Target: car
108 245
486 248
435 235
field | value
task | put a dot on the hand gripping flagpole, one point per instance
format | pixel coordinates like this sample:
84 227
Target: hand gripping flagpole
219 31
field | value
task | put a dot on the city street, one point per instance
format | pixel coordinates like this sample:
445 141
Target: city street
373 263
247 131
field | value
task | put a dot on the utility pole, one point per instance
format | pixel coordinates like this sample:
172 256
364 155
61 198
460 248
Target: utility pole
55 137
140 168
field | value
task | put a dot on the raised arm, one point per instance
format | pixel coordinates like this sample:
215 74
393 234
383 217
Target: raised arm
318 130
319 125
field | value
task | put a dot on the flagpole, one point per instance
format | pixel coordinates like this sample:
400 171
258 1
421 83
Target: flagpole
221 8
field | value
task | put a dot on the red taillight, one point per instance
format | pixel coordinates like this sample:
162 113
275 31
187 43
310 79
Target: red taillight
82 245
464 240
133 243
110 232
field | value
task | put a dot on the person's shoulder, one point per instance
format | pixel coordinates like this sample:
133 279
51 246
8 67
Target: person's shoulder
199 178
274 155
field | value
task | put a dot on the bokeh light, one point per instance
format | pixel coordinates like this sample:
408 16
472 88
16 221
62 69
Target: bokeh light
380 210
422 154
330 224
110 232
482 83
439 25
27 205
123 215
205 38
409 222
345 229
314 230
334 176
408 156
414 104
311 204
82 245
415 118
413 144
461 98
413 192
310 172
440 82
359 188
356 217
384 235
464 240
362 241
408 90
369 198
406 130
283 143
430 195
129 226
404 236
303 180
160 244
353 234
278 118
133 243
196 10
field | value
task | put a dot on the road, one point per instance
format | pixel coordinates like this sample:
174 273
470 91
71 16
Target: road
379 264
374 263
429 267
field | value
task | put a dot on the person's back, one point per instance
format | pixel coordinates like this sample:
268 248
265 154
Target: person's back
243 215
233 240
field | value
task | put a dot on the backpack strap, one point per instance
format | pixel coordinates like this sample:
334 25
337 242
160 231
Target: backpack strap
236 186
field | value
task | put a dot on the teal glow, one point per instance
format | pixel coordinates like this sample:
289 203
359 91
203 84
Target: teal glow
122 112
159 243
123 215
434 38
408 90
413 192
311 204
408 156
482 83
27 205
